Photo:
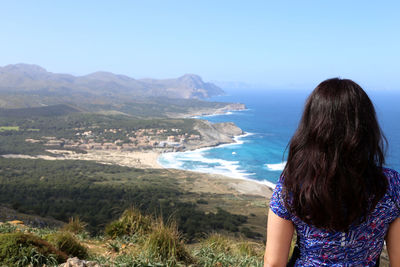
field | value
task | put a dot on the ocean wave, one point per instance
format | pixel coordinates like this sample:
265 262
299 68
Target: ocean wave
276 166
238 138
196 161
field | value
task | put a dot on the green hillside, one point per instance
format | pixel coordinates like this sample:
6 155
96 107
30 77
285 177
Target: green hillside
47 111
99 193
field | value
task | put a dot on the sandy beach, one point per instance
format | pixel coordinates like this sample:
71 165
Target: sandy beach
142 160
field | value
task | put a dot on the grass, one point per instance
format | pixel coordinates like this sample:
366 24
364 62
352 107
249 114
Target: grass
220 250
9 128
75 225
20 249
68 243
131 222
165 243
161 245
6 228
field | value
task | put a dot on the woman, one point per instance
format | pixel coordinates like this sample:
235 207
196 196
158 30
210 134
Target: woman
334 190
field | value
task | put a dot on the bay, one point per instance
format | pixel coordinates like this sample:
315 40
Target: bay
270 120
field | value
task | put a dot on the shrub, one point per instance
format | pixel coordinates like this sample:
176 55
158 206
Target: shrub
131 222
115 229
75 226
135 222
164 243
68 244
18 249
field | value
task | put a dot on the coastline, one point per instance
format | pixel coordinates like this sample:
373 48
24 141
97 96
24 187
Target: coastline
223 182
242 177
206 183
236 141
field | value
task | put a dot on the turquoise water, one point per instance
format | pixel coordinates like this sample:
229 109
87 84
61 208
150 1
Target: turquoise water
269 123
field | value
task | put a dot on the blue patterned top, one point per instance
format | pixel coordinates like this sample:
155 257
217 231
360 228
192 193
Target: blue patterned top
360 246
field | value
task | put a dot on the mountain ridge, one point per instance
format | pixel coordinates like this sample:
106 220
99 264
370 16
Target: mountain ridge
31 78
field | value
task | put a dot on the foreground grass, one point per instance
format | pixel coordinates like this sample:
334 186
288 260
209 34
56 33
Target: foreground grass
132 240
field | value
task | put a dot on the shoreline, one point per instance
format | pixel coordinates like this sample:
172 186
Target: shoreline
151 160
237 141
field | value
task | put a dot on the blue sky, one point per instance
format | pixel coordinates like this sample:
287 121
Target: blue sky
276 43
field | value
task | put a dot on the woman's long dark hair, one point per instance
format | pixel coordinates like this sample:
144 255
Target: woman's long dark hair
333 177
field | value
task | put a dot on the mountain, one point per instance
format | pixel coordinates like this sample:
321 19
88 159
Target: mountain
33 79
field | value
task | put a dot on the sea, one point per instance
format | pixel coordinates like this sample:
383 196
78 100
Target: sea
269 122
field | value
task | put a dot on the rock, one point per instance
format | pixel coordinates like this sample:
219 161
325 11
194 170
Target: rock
75 262
213 134
228 128
231 107
16 222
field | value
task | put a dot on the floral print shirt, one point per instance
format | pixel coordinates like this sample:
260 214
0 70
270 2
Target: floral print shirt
360 246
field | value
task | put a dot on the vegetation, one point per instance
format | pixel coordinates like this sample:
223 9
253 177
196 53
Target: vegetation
165 107
100 198
68 243
75 226
99 193
55 110
9 128
160 245
19 249
164 243
15 130
6 228
131 222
